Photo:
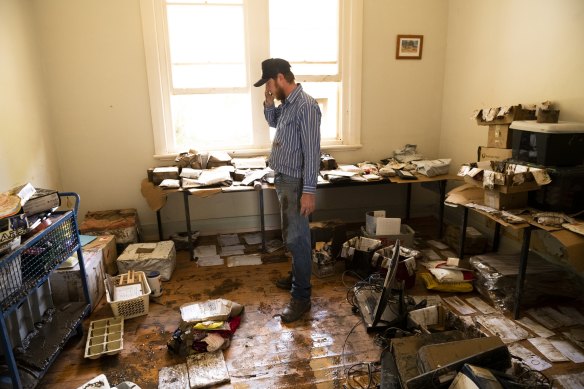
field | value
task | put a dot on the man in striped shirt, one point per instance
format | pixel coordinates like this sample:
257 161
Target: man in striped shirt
295 158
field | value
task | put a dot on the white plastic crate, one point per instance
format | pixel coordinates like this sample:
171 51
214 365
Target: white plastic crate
133 307
105 337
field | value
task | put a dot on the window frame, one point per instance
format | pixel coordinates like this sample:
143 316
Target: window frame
158 71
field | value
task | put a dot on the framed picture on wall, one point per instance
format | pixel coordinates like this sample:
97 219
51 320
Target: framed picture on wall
409 46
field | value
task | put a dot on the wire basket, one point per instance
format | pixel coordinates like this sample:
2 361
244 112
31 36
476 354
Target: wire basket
130 308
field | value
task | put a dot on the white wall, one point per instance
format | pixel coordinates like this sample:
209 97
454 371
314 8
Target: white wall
503 52
27 153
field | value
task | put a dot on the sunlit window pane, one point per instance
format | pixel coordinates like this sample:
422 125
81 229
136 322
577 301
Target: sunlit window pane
212 121
305 31
209 41
204 1
327 96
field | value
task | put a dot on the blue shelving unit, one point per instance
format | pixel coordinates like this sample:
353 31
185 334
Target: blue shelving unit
24 270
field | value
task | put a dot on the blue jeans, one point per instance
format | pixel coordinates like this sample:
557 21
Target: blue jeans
295 233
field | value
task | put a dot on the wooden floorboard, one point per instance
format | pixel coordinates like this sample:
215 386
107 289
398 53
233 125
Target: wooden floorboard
314 352
264 352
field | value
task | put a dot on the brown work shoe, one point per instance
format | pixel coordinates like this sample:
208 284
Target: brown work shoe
295 309
285 283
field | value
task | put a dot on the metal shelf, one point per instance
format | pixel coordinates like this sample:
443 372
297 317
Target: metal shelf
21 272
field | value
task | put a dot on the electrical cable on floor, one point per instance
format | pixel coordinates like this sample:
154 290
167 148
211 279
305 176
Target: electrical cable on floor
345 343
353 371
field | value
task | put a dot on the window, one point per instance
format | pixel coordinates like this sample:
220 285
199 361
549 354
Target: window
203 57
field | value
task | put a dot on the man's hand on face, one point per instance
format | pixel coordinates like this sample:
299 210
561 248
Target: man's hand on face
307 204
269 97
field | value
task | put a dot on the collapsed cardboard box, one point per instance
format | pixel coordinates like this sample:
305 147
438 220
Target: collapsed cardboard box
149 257
123 223
504 177
502 115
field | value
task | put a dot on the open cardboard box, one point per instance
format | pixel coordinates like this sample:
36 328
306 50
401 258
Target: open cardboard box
516 179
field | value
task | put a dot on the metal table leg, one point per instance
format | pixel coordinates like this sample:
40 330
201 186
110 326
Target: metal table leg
522 268
496 237
262 219
159 222
408 200
462 239
442 189
9 355
188 221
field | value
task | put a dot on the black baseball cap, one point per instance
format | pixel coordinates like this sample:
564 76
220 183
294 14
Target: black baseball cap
270 69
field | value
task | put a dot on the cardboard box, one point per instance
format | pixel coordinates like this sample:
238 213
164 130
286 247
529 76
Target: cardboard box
499 200
511 113
507 188
66 284
493 154
123 223
147 257
500 136
406 237
104 246
377 224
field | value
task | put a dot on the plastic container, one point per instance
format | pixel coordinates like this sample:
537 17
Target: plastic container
154 283
135 307
564 194
548 144
105 337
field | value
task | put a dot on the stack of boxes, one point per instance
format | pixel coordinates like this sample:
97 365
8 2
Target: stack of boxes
499 148
500 136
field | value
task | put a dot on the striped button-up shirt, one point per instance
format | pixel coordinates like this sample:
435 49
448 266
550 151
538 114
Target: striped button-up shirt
296 146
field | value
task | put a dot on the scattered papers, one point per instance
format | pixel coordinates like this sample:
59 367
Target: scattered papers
437 244
504 328
252 239
459 305
529 358
550 318
207 369
173 377
350 168
188 172
205 251
481 305
244 260
218 310
249 163
127 292
212 260
547 349
536 328
430 299
255 175
575 380
568 350
576 335
170 183
573 313
233 250
228 240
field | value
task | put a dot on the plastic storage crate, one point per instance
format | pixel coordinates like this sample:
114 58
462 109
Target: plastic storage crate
130 308
105 337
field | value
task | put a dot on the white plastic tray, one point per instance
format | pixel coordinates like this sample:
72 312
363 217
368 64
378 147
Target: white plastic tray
105 337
